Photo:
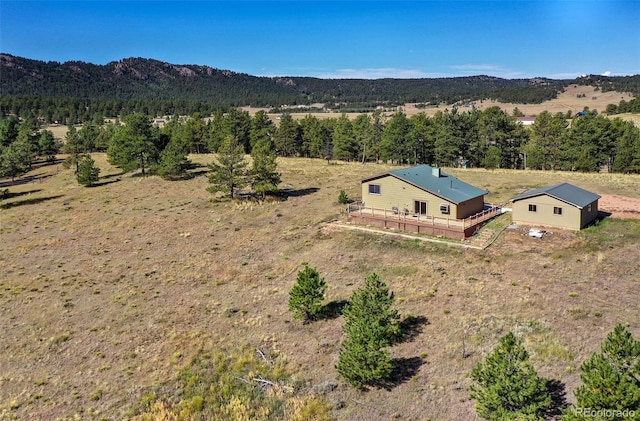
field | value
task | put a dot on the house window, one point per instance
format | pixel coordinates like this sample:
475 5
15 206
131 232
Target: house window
533 208
419 207
374 188
444 208
588 208
557 210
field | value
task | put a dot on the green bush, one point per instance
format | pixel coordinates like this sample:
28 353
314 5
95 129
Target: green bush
306 296
88 173
343 198
371 324
507 387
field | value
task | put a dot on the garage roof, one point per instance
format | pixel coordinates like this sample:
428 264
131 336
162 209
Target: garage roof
565 192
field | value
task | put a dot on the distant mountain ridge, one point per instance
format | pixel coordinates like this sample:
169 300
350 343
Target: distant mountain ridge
149 79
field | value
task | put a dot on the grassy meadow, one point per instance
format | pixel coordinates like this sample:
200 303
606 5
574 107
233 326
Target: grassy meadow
106 293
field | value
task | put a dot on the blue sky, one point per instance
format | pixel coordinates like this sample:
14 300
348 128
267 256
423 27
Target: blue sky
337 39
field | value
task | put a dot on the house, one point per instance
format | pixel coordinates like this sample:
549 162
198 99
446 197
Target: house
562 206
421 199
526 120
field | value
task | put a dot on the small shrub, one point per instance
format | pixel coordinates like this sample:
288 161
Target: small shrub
88 173
343 198
306 296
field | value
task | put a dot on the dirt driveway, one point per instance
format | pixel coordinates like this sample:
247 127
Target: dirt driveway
620 206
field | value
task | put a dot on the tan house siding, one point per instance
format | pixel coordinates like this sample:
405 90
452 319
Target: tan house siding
470 207
572 217
588 214
396 193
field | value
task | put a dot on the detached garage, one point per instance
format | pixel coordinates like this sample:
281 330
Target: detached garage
562 205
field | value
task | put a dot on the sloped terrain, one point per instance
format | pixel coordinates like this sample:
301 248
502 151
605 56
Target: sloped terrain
107 292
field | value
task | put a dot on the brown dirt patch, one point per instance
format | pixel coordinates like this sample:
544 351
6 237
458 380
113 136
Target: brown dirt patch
620 206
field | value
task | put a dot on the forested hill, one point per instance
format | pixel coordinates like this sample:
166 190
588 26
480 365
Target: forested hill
147 79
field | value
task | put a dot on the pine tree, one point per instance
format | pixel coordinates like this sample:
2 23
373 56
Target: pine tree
507 386
73 146
13 161
264 175
88 173
305 298
611 379
173 160
133 145
47 146
230 172
370 326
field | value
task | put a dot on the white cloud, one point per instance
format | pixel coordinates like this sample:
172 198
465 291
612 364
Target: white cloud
607 73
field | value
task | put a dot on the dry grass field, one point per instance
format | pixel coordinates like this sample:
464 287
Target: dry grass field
575 98
106 292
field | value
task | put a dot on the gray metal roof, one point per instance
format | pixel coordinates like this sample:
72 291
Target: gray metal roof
565 192
435 181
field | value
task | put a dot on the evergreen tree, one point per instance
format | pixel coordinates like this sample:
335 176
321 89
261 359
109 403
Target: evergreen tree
264 175
88 173
47 146
27 143
307 294
88 135
230 172
13 161
262 128
73 146
134 144
173 160
370 326
344 142
507 386
8 130
287 137
395 139
492 158
195 134
611 379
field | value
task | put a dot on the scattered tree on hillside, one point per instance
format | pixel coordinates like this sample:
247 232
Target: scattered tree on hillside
229 173
370 326
134 144
307 294
263 174
8 130
47 146
88 173
13 161
507 387
74 147
611 379
173 160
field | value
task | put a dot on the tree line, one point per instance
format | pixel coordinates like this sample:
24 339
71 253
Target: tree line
487 139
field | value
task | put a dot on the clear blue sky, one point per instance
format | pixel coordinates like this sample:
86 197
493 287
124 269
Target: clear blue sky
511 39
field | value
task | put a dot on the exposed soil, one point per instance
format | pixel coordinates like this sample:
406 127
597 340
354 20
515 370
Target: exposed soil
620 206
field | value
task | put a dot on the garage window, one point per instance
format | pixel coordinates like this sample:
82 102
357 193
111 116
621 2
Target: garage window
533 208
557 210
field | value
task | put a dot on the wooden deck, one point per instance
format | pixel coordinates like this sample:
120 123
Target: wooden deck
424 224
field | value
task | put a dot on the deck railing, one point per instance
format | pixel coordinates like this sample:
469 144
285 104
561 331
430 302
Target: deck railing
399 215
